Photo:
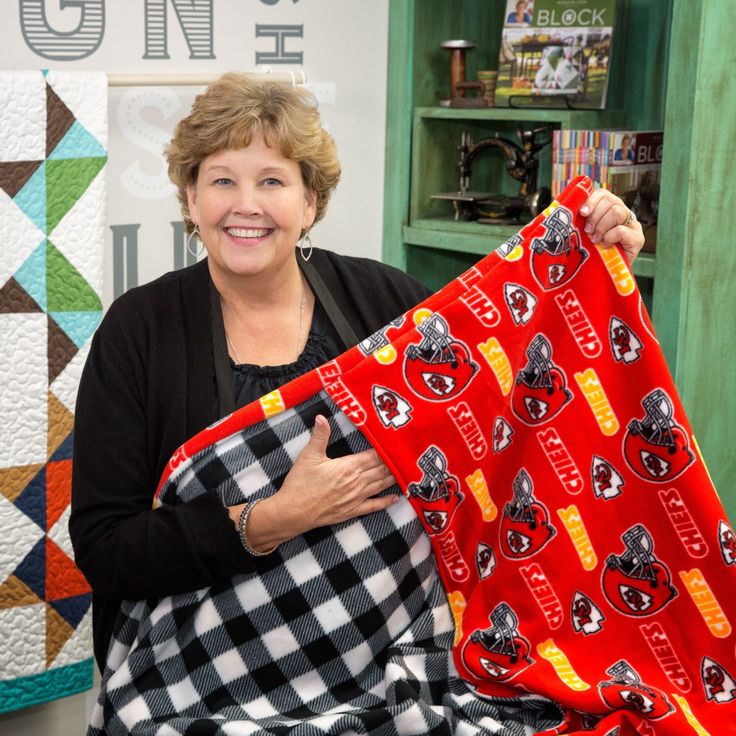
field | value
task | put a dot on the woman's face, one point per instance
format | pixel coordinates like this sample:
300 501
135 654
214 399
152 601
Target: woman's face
250 205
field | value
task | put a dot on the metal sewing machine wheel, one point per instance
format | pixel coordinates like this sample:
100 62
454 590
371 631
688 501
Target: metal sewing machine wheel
521 163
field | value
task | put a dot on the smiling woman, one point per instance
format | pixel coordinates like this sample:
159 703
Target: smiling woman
254 171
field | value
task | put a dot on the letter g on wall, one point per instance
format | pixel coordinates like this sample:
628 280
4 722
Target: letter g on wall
49 43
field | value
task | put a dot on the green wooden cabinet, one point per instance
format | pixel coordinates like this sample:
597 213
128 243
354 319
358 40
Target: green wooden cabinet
672 68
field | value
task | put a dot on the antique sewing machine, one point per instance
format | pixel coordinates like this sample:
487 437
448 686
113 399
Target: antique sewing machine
522 164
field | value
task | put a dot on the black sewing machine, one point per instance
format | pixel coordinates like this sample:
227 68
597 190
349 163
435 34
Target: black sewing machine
521 163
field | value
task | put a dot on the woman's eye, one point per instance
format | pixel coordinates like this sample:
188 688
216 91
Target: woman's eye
223 180
271 182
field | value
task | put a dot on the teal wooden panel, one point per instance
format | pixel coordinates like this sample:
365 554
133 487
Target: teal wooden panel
399 107
695 299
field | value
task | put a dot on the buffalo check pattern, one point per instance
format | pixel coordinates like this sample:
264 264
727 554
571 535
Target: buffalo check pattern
343 630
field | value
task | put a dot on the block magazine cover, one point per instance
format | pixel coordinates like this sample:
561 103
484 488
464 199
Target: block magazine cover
555 49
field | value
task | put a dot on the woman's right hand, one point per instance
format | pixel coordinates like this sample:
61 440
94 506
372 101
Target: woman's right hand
319 491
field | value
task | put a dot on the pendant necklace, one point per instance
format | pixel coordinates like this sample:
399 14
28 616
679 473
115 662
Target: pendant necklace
302 304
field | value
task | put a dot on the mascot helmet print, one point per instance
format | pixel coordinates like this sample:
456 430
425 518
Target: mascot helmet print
625 690
439 367
540 390
558 254
525 526
499 652
635 582
437 493
656 448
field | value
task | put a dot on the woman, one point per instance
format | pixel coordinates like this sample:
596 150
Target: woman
254 172
625 154
520 14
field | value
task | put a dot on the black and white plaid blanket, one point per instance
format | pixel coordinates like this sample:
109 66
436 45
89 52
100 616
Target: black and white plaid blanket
345 630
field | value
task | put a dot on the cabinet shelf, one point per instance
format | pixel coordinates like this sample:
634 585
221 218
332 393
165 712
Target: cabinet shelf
477 239
562 117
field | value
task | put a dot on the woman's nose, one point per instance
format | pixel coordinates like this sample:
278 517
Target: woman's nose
247 201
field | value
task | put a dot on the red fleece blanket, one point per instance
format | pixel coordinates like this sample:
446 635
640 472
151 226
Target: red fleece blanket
527 412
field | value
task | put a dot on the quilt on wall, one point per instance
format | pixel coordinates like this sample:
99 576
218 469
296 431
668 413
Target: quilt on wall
53 140
530 420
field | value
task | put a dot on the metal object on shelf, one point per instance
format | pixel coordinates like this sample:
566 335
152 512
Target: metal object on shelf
458 84
521 163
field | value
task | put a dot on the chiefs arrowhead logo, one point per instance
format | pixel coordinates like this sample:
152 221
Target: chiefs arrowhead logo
637 599
607 481
625 345
556 273
536 408
439 384
727 543
502 434
435 519
485 560
655 465
718 683
586 617
520 302
518 542
392 409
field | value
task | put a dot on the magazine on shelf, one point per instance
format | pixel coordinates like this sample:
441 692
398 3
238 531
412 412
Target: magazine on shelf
628 162
555 48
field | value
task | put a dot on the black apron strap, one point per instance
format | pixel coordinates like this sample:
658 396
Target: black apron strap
341 325
223 371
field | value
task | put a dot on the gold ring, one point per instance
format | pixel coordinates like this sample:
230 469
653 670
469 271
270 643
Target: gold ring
629 219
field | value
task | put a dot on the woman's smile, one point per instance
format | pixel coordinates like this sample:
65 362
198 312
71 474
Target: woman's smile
248 233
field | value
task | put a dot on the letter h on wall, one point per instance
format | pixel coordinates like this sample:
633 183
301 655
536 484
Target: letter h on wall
280 55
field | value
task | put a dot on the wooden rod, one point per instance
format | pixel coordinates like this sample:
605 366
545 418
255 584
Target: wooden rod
196 80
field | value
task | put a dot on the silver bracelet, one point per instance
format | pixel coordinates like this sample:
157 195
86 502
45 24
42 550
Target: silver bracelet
243 523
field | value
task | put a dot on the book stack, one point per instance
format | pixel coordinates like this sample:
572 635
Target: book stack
628 162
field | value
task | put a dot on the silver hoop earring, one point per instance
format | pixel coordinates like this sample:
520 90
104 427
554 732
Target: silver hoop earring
194 234
308 241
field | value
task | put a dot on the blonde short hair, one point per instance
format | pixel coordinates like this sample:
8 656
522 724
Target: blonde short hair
233 110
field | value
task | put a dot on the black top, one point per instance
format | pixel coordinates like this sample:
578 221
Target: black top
150 383
253 381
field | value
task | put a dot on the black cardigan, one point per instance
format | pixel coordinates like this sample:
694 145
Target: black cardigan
148 385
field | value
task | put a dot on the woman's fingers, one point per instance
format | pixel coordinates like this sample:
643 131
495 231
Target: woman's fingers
609 221
371 505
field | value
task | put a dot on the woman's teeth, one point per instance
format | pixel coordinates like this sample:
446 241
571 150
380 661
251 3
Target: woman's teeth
241 232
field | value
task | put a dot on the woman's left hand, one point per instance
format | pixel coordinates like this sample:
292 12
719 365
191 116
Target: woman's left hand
608 221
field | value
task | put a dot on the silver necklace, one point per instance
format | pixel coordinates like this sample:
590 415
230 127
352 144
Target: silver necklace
302 304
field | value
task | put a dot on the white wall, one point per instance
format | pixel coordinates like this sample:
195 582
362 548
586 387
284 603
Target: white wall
343 46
